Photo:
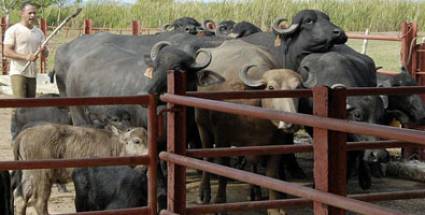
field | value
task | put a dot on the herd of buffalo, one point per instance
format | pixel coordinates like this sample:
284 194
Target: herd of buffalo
307 52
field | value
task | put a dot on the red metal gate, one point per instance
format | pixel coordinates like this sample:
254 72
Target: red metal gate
329 148
150 160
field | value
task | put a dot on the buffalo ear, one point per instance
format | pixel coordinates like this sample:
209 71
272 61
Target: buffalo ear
207 77
148 60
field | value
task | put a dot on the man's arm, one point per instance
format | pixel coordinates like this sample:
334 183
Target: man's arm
9 51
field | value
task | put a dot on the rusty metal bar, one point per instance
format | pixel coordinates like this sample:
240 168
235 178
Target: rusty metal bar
330 148
131 211
88 26
152 154
4 26
287 203
287 149
373 37
135 27
351 91
176 143
73 101
252 94
277 185
43 27
386 132
65 163
406 42
165 212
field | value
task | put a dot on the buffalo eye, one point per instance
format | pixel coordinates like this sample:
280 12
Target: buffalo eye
309 21
137 141
115 119
271 87
357 116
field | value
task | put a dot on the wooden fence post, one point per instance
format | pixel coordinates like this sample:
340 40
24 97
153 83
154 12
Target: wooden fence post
330 148
176 143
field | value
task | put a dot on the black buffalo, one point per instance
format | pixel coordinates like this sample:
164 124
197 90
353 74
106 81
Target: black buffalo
342 66
224 28
405 108
311 31
21 117
106 188
243 29
6 198
184 24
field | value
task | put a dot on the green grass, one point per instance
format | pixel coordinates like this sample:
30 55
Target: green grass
352 15
384 53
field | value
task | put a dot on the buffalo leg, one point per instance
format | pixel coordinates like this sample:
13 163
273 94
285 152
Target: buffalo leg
272 170
204 196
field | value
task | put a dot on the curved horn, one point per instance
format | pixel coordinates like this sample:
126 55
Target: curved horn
158 46
198 66
310 81
233 35
334 86
243 75
284 31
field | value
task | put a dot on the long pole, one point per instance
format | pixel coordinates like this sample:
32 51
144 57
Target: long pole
43 44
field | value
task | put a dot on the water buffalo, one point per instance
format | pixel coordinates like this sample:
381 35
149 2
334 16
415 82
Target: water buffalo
342 66
405 108
310 31
56 141
224 130
224 28
6 197
185 24
21 117
106 188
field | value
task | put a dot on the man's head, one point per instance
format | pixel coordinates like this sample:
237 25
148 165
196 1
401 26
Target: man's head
28 14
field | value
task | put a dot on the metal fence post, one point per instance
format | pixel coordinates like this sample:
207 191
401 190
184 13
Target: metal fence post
330 159
408 45
176 143
135 27
88 26
153 154
43 27
4 26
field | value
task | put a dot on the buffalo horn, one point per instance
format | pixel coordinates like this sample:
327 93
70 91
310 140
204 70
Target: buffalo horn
311 80
283 31
158 46
243 75
198 66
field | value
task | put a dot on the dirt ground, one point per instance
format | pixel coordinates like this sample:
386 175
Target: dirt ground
64 202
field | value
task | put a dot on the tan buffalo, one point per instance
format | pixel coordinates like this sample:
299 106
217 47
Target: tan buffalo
55 141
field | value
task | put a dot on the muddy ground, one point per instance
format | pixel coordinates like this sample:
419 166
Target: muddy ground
63 202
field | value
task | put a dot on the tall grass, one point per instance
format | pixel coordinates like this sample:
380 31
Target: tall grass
352 15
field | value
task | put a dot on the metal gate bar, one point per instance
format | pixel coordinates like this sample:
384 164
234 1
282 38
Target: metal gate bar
287 149
387 132
288 203
150 159
278 185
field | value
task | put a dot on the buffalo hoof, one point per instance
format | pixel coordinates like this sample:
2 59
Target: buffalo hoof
276 212
365 182
62 188
204 196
